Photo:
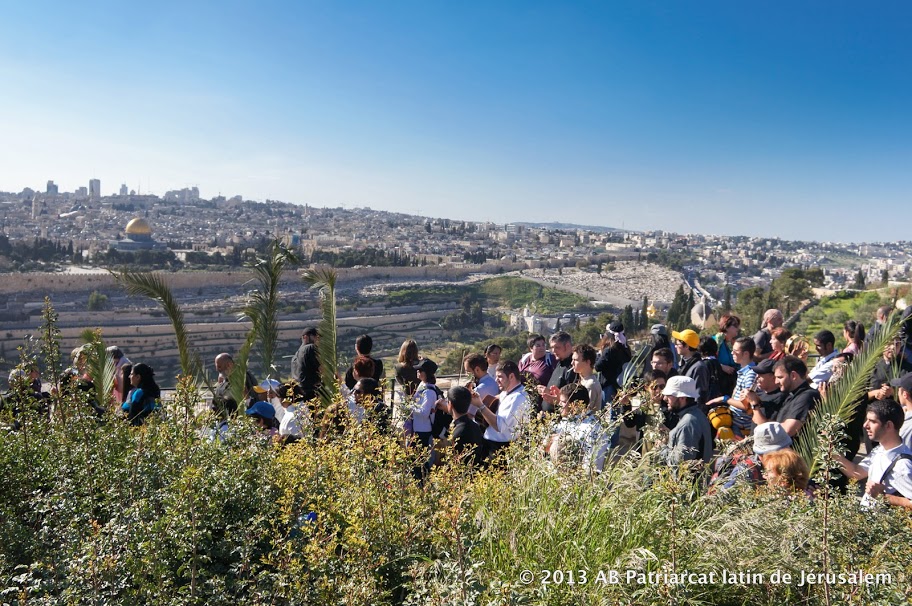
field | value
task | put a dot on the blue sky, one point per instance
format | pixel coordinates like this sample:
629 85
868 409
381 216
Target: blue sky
774 119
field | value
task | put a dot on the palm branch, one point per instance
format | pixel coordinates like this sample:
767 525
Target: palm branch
237 378
262 308
154 286
324 280
844 396
99 365
635 367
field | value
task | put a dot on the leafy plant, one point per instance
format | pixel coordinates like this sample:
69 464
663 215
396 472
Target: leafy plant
843 397
262 307
99 365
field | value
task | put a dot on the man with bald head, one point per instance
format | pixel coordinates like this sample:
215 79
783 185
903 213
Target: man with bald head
772 319
221 396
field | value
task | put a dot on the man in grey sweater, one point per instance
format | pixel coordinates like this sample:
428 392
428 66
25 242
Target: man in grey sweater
691 439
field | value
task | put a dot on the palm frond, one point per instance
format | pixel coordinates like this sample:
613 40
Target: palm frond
324 280
154 286
635 368
237 379
844 396
262 308
99 365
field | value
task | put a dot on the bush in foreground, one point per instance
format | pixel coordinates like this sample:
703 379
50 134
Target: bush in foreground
102 513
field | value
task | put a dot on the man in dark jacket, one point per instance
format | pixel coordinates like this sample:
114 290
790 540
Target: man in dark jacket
305 365
468 438
690 362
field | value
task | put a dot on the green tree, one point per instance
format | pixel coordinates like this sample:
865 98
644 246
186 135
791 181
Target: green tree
677 307
644 317
750 306
627 316
790 289
885 278
97 301
859 281
727 299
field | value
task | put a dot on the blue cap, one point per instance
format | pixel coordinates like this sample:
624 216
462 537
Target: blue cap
263 409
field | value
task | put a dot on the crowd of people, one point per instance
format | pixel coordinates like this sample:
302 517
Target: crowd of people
691 395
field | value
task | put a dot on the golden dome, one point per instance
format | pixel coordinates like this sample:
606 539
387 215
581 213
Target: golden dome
138 227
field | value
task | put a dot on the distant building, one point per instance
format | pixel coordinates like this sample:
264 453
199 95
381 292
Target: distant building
137 236
94 189
82 192
52 189
190 194
123 189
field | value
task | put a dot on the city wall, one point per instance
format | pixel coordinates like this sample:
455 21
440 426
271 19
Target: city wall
51 283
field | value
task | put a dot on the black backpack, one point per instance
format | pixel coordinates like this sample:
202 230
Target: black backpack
714 370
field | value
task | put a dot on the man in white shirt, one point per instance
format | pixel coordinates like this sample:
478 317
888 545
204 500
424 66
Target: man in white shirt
888 468
512 413
825 342
290 426
476 366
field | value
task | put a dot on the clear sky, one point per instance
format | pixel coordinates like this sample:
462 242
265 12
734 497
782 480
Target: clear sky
790 119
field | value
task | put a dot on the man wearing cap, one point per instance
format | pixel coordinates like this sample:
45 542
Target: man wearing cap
691 439
800 397
264 415
305 365
512 412
772 319
903 388
766 400
428 398
768 437
887 468
691 365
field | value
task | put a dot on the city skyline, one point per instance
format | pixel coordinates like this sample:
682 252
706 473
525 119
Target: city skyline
703 118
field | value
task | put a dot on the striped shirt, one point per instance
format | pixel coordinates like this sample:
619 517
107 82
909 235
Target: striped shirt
741 419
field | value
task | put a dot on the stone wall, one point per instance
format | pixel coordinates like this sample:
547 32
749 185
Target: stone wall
51 283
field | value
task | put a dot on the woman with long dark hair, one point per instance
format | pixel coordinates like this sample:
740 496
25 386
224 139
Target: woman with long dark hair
854 333
144 396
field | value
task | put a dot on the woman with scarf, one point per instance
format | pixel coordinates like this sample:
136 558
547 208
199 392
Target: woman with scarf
614 353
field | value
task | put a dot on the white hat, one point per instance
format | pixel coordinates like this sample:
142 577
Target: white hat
770 437
681 387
